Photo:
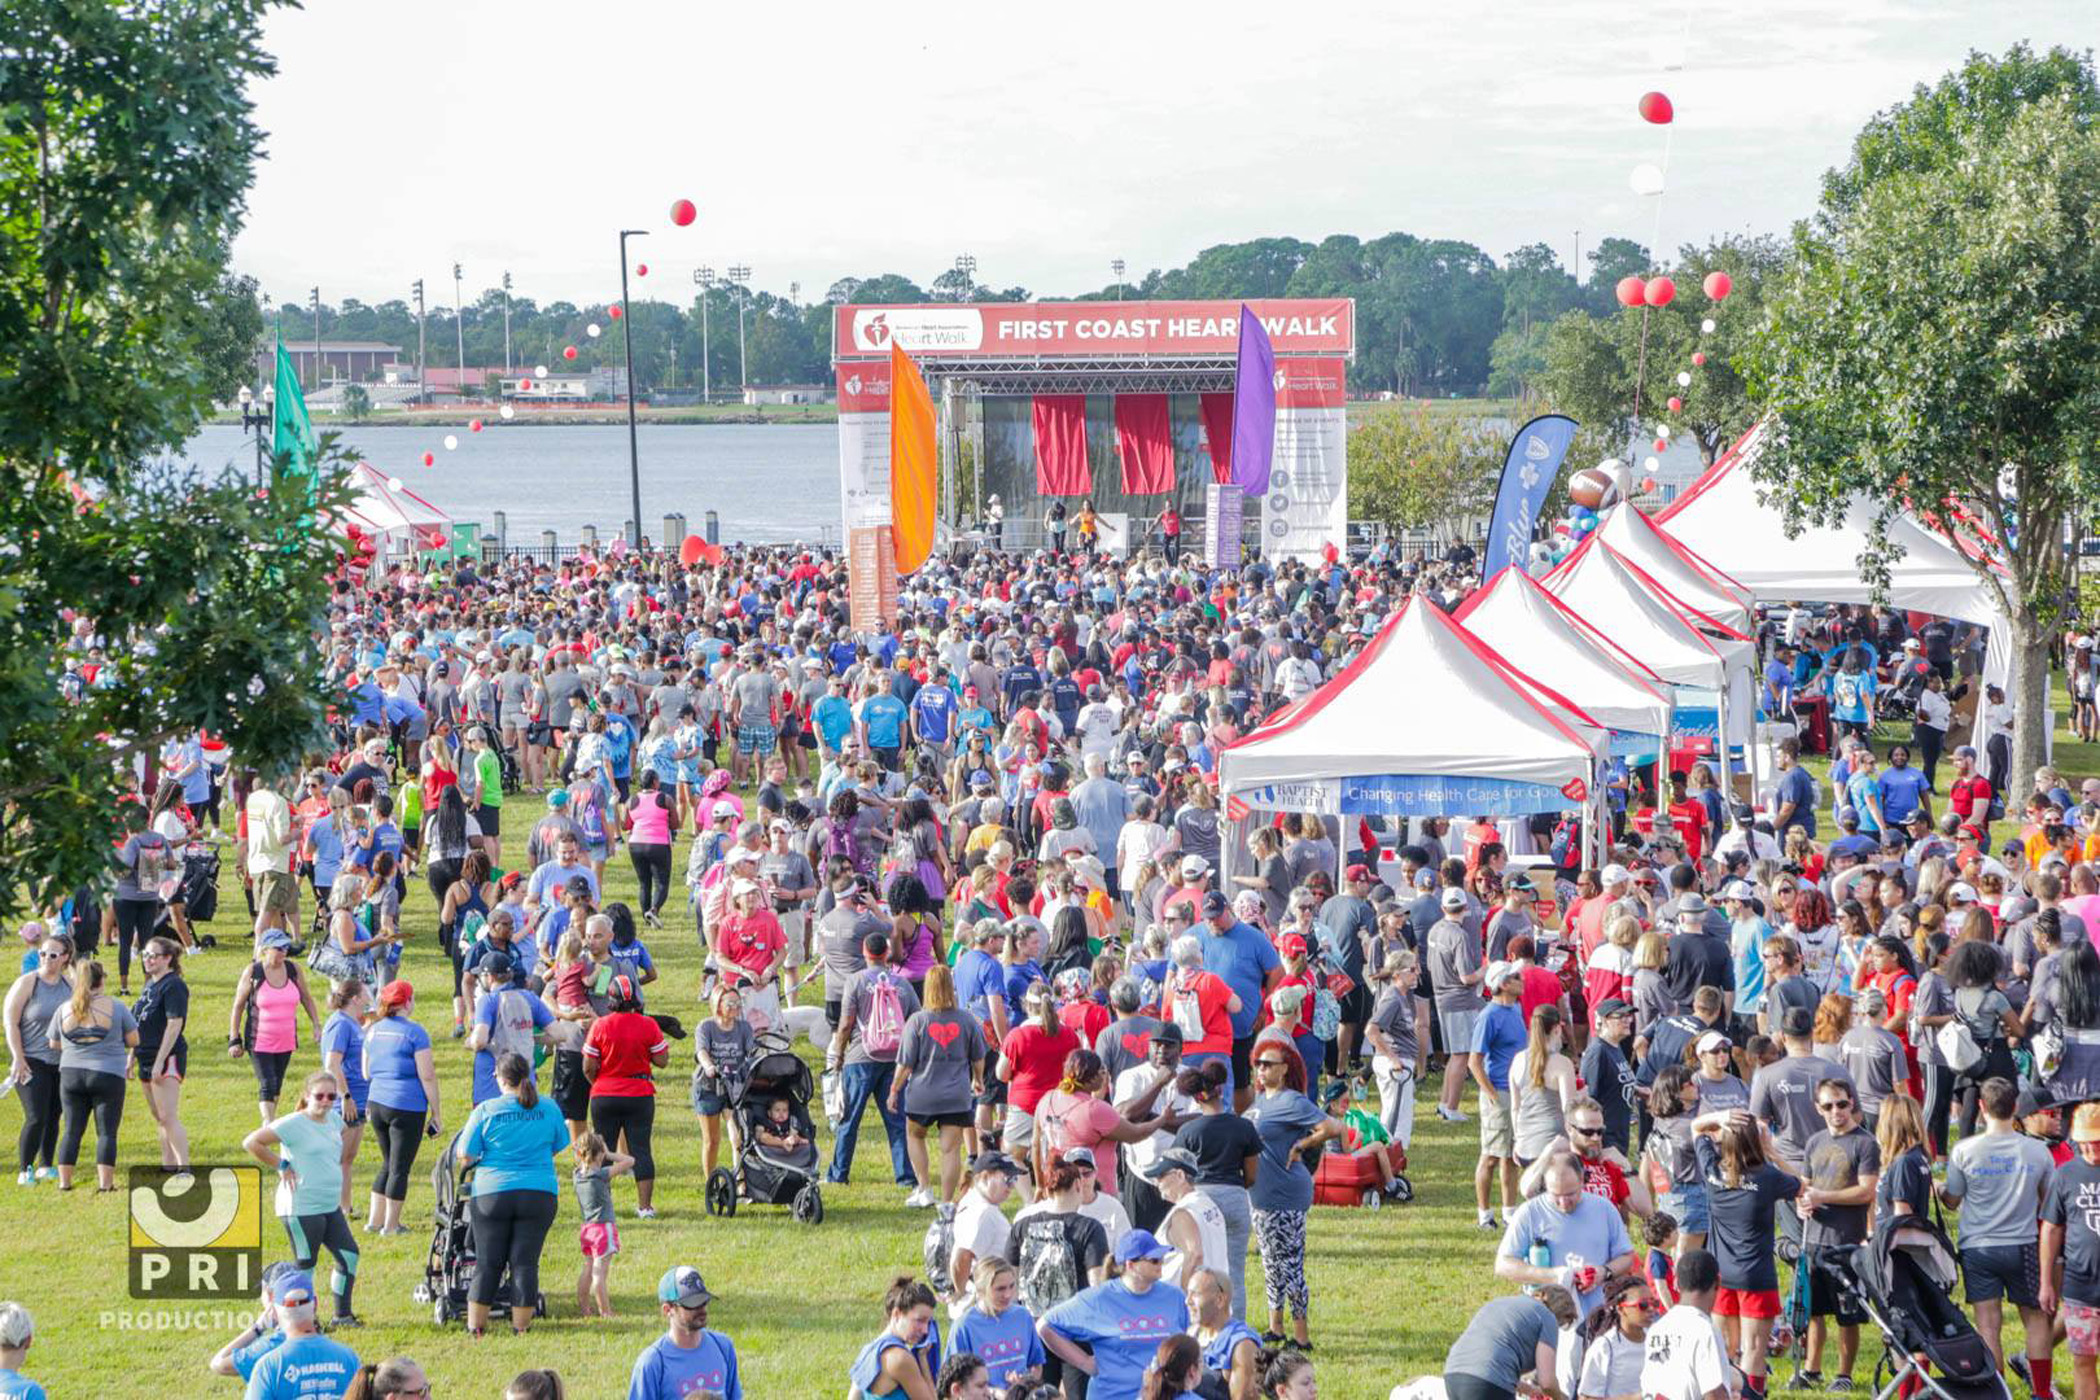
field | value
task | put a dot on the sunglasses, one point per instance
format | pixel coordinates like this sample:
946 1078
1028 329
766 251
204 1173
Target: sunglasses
1580 1131
321 1098
1268 1064
1835 1104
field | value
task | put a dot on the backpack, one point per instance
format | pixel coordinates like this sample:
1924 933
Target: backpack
883 1027
939 1250
508 1037
1049 1266
591 818
838 843
1327 1014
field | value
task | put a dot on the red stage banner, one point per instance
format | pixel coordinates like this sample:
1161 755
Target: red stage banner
1296 326
1145 443
1217 434
1061 467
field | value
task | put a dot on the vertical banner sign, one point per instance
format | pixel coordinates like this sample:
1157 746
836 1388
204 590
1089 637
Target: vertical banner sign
1253 406
1534 459
871 577
864 444
913 480
1307 504
1222 502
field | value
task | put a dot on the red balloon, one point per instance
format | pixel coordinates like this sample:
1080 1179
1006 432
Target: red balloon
683 212
429 459
1647 483
690 551
1660 291
613 311
1675 403
524 383
1631 291
1698 357
474 426
568 352
1662 444
641 269
1719 285
1656 108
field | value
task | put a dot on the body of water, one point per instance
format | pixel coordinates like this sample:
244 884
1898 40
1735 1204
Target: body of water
768 482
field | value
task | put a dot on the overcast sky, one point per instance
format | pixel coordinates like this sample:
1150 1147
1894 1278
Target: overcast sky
823 139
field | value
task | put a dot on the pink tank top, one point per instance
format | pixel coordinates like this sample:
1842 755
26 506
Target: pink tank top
276 1016
651 819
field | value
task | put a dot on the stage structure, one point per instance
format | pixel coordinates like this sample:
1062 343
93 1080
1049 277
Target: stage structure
1128 404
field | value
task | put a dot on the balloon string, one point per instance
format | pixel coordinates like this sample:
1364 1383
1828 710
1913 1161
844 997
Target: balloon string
1640 374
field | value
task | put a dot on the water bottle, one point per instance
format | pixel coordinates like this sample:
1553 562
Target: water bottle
1542 1255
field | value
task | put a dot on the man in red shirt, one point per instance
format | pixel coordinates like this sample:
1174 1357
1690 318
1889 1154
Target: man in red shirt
1689 817
1969 796
1603 1168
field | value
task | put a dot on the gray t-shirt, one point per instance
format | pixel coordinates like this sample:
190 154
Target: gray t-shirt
1453 953
855 1003
729 1047
939 1047
1501 1343
1999 1177
594 1194
39 1013
1877 1062
1783 1094
1836 1162
562 689
1394 1015
92 1047
790 873
839 936
757 692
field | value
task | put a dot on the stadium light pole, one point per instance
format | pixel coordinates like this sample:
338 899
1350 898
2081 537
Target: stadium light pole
422 382
506 323
1117 267
967 266
459 331
634 450
704 279
314 298
740 275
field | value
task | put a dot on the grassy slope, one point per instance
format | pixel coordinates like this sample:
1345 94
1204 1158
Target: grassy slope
1390 1289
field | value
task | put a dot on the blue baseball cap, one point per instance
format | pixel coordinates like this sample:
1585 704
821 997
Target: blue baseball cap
296 1282
1139 1244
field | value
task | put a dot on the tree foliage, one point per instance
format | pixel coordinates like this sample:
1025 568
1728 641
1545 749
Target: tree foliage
1411 466
1935 343
124 159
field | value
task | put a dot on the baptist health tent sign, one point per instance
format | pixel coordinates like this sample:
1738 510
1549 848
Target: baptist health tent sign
1413 795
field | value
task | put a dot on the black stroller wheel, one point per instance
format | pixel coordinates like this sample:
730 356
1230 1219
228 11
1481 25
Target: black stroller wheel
809 1205
721 1192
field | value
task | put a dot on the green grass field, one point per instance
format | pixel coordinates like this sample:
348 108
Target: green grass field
1391 1288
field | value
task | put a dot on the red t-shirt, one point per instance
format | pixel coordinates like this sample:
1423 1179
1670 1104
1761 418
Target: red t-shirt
622 1044
751 940
1969 795
1689 817
1541 988
1038 1062
1602 1177
1212 996
1302 1023
1085 1018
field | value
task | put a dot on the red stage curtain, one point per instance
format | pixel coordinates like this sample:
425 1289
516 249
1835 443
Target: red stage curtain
1145 443
1217 426
1060 446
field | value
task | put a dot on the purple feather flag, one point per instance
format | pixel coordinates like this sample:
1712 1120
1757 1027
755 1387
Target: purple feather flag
1253 406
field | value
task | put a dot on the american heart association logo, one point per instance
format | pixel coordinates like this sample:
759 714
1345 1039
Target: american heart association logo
1575 790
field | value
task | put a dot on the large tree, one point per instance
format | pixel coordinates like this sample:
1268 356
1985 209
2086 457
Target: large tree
1935 345
124 158
1412 465
1598 368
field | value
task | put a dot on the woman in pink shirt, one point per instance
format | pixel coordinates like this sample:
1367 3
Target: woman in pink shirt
651 818
1077 1113
264 1025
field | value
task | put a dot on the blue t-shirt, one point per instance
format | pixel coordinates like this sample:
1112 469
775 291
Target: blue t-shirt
667 1371
619 744
1902 789
833 717
1797 787
328 853
1282 1119
16 1386
1748 939
390 1064
523 1005
1849 693
935 708
884 717
515 1145
311 1366
1242 957
196 778
1124 1329
1019 978
866 1371
978 978
630 959
1217 1352
1498 1033
1592 1230
976 717
367 703
1007 1344
245 1359
555 876
342 1033
1860 789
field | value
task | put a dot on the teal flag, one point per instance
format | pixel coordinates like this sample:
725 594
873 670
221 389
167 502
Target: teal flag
292 436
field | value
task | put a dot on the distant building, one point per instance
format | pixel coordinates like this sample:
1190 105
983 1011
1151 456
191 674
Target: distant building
758 394
554 387
354 361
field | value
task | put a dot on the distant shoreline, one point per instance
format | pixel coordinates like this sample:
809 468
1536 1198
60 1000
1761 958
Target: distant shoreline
609 417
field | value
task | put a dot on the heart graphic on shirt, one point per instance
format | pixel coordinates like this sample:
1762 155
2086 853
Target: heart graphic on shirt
1139 1044
944 1033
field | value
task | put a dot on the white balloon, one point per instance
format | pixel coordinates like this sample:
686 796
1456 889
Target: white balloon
540 371
1684 379
507 413
394 483
591 330
1706 327
451 442
1662 430
1646 179
1650 464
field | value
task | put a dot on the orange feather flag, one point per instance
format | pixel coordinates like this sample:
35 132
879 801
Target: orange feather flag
912 462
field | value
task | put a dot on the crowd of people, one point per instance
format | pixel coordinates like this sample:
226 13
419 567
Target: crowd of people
1115 1038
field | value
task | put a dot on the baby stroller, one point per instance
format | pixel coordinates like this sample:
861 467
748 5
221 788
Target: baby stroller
1906 1273
449 1270
763 1174
197 890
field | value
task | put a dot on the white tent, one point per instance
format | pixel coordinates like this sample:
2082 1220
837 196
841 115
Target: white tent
1516 616
384 511
1427 721
1721 519
1640 541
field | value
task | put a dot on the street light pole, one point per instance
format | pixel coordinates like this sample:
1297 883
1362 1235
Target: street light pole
634 450
1117 267
506 323
705 277
422 380
314 297
741 275
459 330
